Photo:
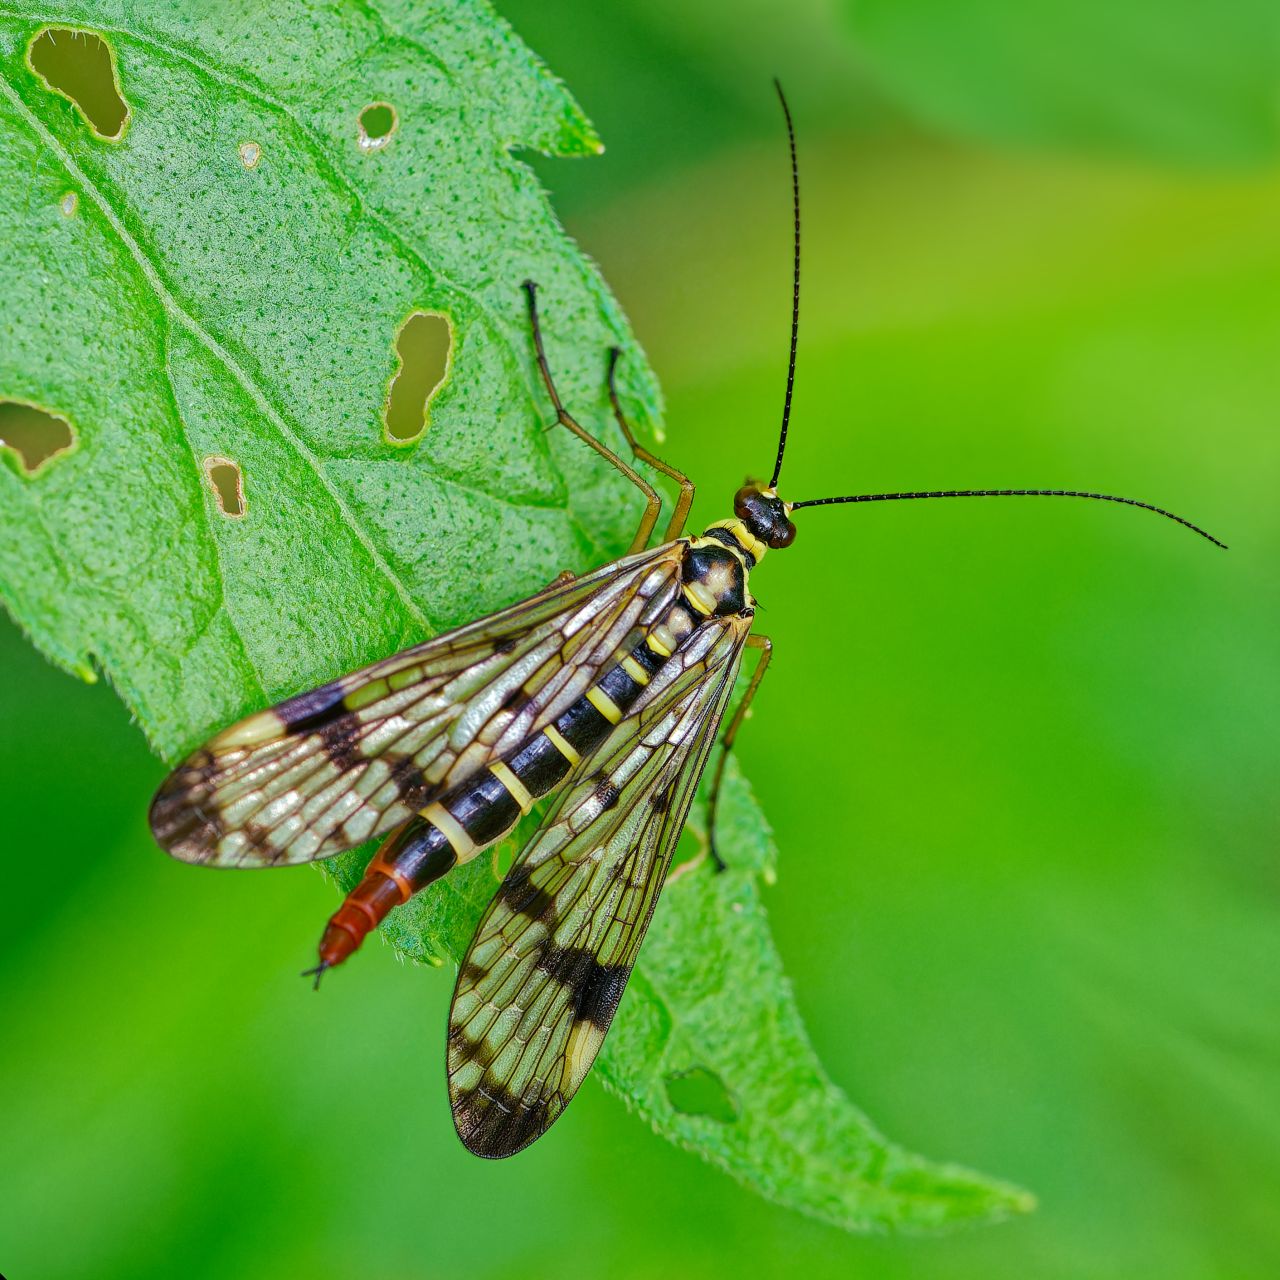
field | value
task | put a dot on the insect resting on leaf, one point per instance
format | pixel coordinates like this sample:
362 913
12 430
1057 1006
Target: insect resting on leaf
606 693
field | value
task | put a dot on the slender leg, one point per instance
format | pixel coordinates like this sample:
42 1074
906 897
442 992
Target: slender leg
675 526
561 579
765 645
650 517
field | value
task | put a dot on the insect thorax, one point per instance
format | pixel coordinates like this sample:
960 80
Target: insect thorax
716 567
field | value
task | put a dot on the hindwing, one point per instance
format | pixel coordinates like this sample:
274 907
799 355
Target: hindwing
551 956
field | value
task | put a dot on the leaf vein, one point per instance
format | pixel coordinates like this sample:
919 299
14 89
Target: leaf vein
211 344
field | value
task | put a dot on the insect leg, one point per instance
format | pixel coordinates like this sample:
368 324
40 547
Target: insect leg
561 578
675 526
765 645
654 503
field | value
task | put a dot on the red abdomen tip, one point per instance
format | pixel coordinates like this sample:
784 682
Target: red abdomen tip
362 911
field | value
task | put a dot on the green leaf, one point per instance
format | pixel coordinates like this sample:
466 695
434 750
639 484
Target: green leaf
709 1047
1174 80
210 301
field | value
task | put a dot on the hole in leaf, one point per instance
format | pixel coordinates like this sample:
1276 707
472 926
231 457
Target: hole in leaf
81 66
425 347
227 484
33 435
700 1092
504 855
377 123
250 154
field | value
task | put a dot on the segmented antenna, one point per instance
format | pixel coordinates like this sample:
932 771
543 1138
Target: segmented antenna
795 286
1009 493
904 497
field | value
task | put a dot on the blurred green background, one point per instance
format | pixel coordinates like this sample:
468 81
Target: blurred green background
1020 756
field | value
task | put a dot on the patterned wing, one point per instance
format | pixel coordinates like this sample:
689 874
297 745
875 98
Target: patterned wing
325 770
551 957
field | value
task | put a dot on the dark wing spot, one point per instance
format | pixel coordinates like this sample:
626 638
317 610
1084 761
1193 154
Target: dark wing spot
596 988
506 644
607 793
526 899
340 741
464 1048
314 709
661 800
470 976
495 1123
179 818
261 840
472 1050
409 780
517 700
178 822
597 1002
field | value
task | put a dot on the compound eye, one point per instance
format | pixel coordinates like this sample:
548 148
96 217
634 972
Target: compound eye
742 502
784 536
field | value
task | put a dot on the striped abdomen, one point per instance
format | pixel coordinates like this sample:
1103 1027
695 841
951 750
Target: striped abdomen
482 808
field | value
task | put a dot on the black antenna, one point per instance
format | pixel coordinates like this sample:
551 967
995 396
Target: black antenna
1009 493
795 286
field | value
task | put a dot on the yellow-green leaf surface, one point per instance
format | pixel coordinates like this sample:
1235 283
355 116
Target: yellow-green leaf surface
206 291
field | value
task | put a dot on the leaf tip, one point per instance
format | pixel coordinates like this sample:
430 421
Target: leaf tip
578 136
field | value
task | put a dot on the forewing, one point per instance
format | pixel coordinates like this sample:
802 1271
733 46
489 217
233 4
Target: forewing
325 770
550 959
